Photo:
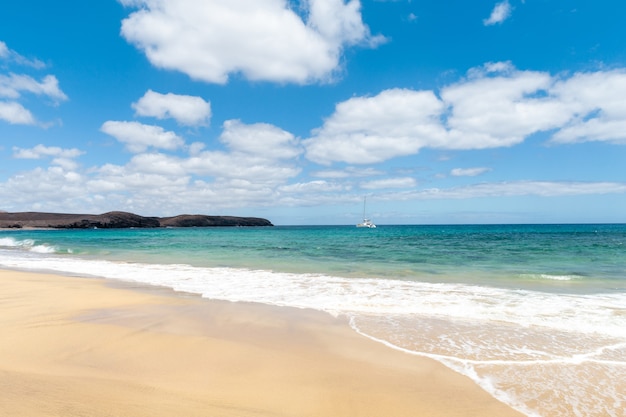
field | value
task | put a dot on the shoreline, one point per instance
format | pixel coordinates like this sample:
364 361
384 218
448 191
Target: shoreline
90 346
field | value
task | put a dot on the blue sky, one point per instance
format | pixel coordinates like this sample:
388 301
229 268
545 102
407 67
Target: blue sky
438 111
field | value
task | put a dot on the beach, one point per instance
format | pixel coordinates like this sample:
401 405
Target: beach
92 347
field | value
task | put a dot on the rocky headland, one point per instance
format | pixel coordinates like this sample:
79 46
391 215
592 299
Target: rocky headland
120 220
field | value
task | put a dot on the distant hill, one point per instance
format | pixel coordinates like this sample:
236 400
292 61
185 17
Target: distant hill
120 220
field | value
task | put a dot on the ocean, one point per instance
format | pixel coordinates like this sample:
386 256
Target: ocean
534 314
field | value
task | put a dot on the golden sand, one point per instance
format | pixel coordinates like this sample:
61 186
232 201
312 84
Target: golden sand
87 347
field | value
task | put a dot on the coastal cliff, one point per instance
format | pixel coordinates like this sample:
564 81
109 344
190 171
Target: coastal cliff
120 220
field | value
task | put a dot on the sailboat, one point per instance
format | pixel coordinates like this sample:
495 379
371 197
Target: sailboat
366 222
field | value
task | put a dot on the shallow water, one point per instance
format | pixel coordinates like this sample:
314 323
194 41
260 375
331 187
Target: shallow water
535 314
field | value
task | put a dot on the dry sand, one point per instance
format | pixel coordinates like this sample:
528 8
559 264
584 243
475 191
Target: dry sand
87 347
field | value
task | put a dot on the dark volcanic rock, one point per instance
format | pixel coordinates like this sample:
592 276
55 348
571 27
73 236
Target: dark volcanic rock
198 220
119 220
111 220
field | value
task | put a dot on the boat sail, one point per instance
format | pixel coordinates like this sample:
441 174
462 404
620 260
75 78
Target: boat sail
366 222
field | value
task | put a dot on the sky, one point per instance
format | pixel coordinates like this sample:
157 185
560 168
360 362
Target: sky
436 112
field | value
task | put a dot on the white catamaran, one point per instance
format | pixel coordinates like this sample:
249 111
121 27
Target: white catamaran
366 222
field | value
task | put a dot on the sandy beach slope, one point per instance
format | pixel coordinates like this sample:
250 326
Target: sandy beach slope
88 347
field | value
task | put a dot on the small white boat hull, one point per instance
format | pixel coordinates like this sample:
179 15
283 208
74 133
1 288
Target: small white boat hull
367 223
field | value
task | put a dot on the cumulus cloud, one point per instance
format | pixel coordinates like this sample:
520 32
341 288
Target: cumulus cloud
138 137
12 85
244 167
260 139
15 113
261 40
373 129
186 110
499 14
142 180
258 155
495 106
598 99
501 110
61 157
258 159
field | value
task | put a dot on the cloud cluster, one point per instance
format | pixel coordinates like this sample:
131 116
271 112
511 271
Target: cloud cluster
495 106
262 40
261 164
213 181
61 157
256 160
14 86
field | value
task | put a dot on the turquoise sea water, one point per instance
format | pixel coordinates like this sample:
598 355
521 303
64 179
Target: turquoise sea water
535 314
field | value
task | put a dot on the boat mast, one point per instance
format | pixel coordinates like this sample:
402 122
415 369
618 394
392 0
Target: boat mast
364 199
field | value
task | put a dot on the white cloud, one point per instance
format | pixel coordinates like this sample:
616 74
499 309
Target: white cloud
61 157
406 182
195 148
497 110
365 130
259 39
138 137
257 153
469 172
156 184
600 107
49 189
259 158
496 106
12 56
15 113
339 22
499 14
186 110
232 166
156 163
12 85
40 151
204 183
313 187
260 139
144 184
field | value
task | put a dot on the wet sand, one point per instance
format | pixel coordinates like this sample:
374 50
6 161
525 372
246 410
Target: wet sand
88 347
